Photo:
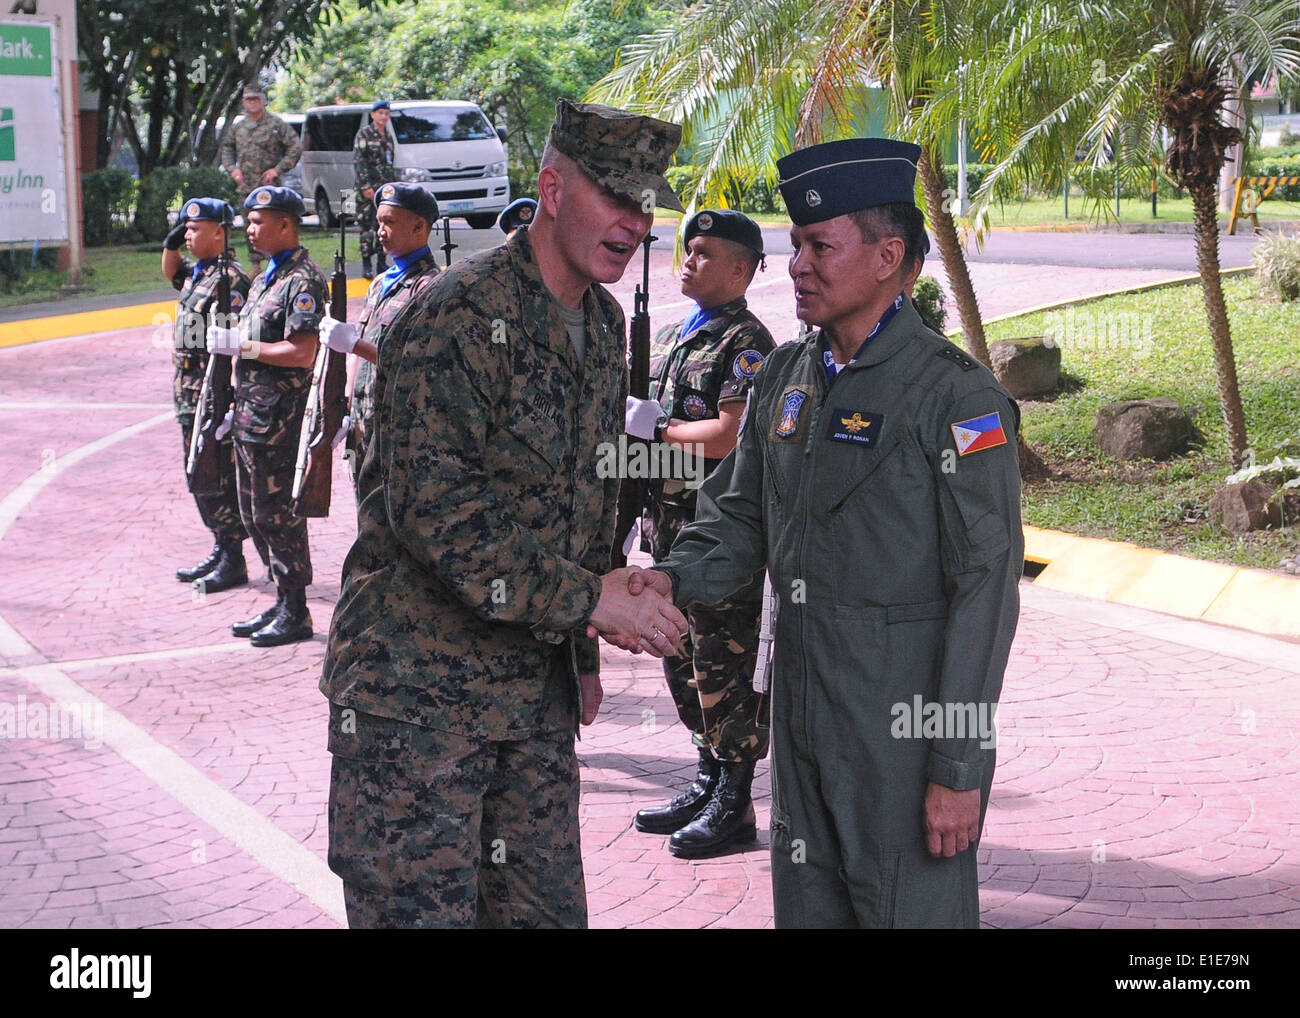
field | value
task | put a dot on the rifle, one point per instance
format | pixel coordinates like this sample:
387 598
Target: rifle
447 245
632 492
203 469
763 668
327 401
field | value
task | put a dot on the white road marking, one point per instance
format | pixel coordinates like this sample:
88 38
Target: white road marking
233 819
79 664
53 405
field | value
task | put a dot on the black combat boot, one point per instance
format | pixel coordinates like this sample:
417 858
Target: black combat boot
203 568
230 571
291 624
686 807
367 270
381 264
727 820
250 627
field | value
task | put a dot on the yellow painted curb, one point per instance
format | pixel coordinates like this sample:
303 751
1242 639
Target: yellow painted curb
34 330
1252 599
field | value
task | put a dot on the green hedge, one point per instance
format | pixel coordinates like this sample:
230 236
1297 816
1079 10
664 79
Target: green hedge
1287 166
165 188
107 199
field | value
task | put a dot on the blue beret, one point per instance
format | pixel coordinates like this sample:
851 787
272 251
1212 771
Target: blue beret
379 104
411 197
277 199
518 213
212 210
840 177
727 224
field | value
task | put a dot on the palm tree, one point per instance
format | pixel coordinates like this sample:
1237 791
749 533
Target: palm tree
1106 78
752 80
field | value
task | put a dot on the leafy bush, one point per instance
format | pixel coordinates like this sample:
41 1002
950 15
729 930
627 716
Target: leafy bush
166 187
930 302
1277 260
107 197
975 174
22 270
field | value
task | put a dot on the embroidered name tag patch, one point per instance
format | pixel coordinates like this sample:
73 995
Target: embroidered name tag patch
978 434
857 427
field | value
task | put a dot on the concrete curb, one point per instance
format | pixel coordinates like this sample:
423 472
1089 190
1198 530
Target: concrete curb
81 323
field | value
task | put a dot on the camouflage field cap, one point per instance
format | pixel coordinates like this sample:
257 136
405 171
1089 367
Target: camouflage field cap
623 152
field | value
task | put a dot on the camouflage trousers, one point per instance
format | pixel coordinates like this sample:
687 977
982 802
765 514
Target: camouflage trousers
368 225
264 475
433 830
220 510
711 683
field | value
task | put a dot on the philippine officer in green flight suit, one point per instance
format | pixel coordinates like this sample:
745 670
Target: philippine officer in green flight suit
876 477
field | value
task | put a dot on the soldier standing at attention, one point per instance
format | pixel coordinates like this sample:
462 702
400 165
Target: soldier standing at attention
701 370
405 213
258 150
372 162
276 345
462 652
875 476
203 227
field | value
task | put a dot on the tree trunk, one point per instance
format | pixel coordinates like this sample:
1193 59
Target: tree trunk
1216 314
954 261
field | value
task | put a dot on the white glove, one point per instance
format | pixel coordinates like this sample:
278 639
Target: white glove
643 416
341 337
223 341
343 428
223 429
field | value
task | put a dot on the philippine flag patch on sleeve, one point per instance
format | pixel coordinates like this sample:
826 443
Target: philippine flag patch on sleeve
978 434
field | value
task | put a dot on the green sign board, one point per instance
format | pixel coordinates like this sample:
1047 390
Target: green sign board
25 50
6 135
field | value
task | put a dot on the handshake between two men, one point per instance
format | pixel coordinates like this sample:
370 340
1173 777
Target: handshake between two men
634 612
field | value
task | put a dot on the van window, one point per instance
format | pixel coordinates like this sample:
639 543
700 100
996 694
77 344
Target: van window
425 124
333 132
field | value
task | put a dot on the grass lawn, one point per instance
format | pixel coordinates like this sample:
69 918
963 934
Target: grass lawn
1157 344
137 269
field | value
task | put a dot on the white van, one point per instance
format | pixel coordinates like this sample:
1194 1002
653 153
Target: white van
449 148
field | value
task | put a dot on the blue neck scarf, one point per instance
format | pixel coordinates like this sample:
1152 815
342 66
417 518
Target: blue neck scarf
398 269
200 267
832 369
697 320
278 259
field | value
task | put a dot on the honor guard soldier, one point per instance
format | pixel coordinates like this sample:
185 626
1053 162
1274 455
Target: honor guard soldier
518 213
405 214
259 150
701 371
876 478
372 162
462 653
203 229
275 344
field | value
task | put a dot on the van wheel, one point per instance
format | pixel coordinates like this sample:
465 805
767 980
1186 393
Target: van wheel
482 222
327 218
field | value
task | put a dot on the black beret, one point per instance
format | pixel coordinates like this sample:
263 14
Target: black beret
839 177
518 213
212 210
277 199
411 197
727 224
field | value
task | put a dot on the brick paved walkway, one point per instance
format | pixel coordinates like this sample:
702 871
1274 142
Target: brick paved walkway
1147 774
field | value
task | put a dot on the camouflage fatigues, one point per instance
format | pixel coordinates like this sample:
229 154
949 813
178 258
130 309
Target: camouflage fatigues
255 146
483 529
269 405
372 162
198 296
378 314
710 681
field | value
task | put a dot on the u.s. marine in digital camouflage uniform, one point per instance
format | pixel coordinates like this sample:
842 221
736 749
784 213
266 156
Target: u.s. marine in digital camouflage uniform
372 165
455 653
289 298
699 367
197 282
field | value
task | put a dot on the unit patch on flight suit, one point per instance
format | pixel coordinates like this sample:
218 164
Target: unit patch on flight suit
786 424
